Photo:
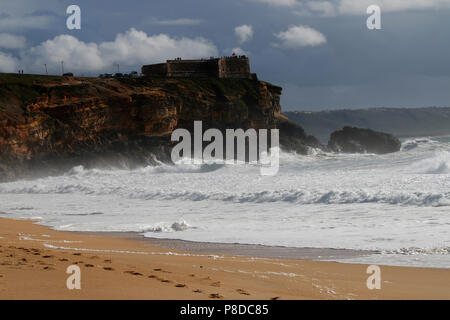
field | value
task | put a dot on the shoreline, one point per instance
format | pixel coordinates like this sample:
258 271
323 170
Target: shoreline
34 260
238 249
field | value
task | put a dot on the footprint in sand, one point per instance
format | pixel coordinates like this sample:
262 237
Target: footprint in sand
215 296
152 276
49 268
197 291
134 273
63 259
107 261
241 291
161 270
165 281
77 254
108 269
180 285
87 265
47 257
275 298
215 284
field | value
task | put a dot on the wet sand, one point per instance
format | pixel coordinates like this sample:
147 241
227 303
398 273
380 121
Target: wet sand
237 249
34 260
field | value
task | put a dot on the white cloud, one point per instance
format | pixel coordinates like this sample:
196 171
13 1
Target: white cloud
322 8
77 55
8 63
244 33
300 36
10 41
132 48
178 22
238 51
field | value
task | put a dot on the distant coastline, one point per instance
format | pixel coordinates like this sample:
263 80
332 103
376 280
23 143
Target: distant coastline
401 122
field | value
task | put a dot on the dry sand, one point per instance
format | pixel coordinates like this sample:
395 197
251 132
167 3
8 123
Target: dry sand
34 259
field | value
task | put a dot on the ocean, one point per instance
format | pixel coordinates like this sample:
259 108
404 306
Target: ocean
396 204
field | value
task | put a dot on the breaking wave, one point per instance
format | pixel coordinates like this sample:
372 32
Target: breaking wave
411 144
419 251
308 197
183 167
164 227
439 163
296 196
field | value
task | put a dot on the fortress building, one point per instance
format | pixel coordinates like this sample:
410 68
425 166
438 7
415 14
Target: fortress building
226 67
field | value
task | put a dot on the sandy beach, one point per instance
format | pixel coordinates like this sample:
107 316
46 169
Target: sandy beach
34 259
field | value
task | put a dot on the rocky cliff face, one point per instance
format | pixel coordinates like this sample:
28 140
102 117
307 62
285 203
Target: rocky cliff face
49 124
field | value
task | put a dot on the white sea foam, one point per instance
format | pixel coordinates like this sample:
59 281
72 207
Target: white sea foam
162 253
414 143
164 227
296 196
438 163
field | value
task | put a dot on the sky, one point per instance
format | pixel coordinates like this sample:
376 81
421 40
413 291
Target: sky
320 52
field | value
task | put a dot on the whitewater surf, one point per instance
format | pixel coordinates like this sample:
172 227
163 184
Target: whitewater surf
397 205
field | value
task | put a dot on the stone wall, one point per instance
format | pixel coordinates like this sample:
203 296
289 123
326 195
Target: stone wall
191 68
234 68
156 70
227 67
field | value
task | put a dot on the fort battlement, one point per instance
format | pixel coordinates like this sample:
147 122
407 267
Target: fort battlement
225 67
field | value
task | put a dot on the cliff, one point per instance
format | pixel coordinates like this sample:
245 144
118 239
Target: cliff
50 124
